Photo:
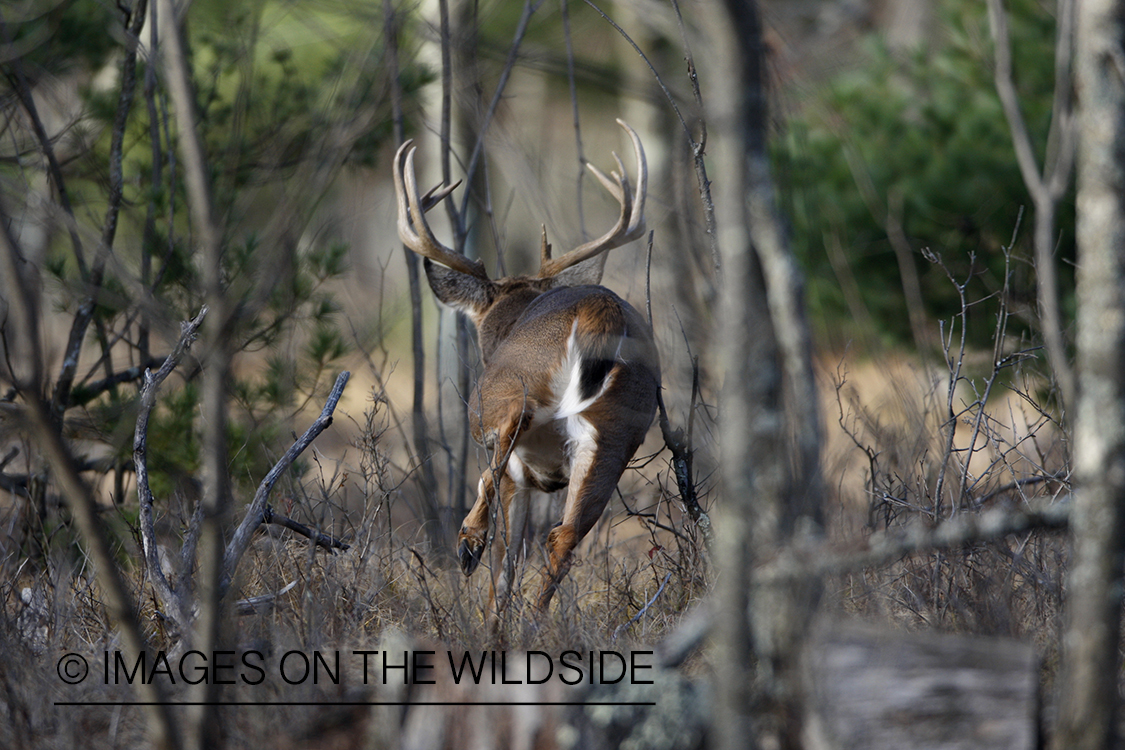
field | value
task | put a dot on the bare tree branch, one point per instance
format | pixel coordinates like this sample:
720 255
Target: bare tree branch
319 538
1048 187
886 546
677 441
698 147
83 394
18 80
529 9
256 512
173 602
60 398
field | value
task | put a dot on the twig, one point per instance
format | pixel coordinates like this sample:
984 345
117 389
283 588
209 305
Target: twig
644 609
954 376
254 604
60 398
697 147
319 538
529 10
1016 485
679 445
19 83
564 10
85 393
999 362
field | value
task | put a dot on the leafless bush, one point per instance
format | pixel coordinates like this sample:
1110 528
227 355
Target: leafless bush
980 433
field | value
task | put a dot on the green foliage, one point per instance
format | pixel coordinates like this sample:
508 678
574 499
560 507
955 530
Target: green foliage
288 94
924 132
56 37
173 442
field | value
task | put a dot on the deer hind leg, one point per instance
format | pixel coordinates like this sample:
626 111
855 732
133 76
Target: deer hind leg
494 480
595 471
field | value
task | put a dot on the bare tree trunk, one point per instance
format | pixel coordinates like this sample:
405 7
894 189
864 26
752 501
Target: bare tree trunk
1088 684
770 426
1048 187
20 289
468 106
423 449
202 727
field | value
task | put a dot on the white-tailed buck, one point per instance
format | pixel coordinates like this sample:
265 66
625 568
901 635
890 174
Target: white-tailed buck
570 376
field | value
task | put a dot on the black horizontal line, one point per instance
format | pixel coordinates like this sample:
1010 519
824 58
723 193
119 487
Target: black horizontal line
354 703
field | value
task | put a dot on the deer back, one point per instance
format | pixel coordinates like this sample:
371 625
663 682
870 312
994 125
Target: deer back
564 352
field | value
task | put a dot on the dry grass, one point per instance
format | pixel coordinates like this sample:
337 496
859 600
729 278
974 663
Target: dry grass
902 447
908 449
388 585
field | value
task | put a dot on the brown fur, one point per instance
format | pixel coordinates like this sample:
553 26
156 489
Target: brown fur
545 344
523 334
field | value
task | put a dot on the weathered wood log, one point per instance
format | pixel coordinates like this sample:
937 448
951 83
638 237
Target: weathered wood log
867 686
876 688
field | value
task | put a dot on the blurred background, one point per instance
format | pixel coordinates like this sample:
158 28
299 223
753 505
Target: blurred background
896 179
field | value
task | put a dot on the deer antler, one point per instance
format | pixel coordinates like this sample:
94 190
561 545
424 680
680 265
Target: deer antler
630 223
413 229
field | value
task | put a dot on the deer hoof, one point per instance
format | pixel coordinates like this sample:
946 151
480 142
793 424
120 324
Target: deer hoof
469 554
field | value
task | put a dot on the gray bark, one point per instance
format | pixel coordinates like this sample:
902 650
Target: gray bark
202 725
1088 682
770 426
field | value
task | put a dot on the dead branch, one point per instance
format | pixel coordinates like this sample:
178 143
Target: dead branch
83 394
319 538
84 316
262 602
816 560
698 147
174 605
677 441
256 512
885 546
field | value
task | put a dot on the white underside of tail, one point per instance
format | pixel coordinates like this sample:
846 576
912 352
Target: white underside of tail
571 403
581 436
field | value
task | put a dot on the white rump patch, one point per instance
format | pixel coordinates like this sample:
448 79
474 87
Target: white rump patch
571 402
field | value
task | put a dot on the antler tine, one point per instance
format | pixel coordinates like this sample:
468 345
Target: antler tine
631 221
637 223
437 194
413 229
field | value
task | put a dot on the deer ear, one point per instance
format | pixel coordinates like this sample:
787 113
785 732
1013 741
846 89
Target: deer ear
463 292
587 272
